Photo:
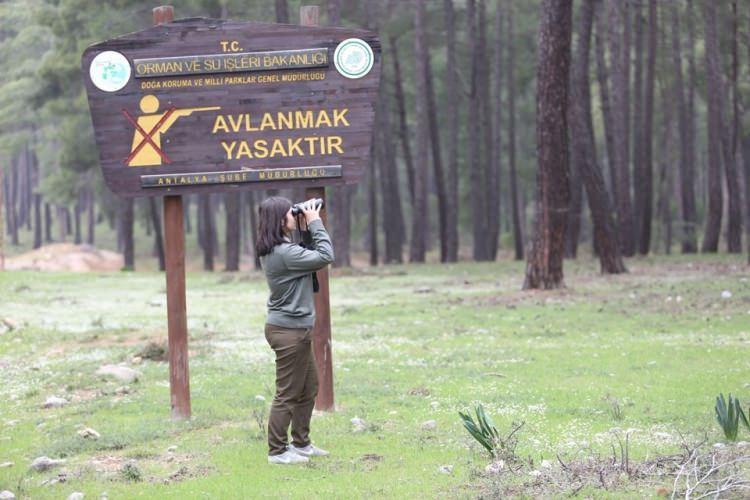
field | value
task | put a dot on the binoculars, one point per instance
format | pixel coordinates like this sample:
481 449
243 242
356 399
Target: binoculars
297 207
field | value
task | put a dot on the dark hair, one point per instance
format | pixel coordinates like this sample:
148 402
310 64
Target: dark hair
271 214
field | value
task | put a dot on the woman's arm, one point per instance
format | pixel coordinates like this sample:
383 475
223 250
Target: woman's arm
297 258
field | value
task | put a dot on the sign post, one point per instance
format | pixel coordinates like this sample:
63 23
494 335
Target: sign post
210 105
174 267
309 15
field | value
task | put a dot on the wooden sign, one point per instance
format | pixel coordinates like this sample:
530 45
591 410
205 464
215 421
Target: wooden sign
205 105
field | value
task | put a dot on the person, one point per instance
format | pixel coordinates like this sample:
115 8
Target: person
289 269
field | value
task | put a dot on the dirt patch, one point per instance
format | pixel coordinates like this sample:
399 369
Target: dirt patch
66 257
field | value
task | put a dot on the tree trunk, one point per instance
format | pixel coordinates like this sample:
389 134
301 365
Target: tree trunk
687 174
393 217
434 137
282 11
496 174
487 173
232 207
619 52
513 178
372 205
476 177
729 143
207 227
420 215
403 127
602 76
47 223
544 267
583 148
713 92
91 216
13 202
186 214
253 227
126 224
36 198
646 143
77 209
451 116
155 216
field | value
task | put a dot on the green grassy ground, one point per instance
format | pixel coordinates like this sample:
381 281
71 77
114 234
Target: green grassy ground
646 351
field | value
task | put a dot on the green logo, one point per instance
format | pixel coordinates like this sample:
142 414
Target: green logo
353 58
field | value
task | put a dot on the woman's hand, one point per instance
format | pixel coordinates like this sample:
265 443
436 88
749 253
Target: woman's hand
311 211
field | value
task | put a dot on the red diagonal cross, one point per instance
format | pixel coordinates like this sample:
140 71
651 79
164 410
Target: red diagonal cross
147 135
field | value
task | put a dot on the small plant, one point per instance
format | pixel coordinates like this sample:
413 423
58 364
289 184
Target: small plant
499 446
730 415
484 431
131 473
615 409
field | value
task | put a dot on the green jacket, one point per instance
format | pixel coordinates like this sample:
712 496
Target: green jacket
289 269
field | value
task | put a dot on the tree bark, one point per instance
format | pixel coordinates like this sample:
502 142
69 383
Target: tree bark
602 76
713 92
488 175
544 267
403 127
393 217
729 144
13 202
36 197
206 228
516 211
451 114
155 216
126 224
253 228
619 51
496 174
583 148
282 11
687 174
372 205
437 157
420 215
476 181
47 223
646 142
232 207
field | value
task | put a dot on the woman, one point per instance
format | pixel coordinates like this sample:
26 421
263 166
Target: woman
289 269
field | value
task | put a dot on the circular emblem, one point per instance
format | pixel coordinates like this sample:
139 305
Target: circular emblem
353 58
109 71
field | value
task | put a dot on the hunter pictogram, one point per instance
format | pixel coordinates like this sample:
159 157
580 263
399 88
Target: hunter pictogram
146 149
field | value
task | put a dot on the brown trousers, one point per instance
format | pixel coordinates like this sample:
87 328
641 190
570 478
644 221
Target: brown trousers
296 387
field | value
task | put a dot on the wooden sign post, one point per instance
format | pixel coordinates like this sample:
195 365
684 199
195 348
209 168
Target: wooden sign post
321 334
209 105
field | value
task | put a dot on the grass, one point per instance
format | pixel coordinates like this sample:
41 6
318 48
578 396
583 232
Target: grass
648 351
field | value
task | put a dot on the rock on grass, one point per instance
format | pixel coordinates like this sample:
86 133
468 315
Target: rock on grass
54 402
119 372
41 464
88 433
7 495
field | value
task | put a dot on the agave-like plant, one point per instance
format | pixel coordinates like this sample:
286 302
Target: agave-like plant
484 430
730 415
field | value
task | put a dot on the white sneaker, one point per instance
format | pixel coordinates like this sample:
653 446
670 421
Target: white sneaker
309 451
287 458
